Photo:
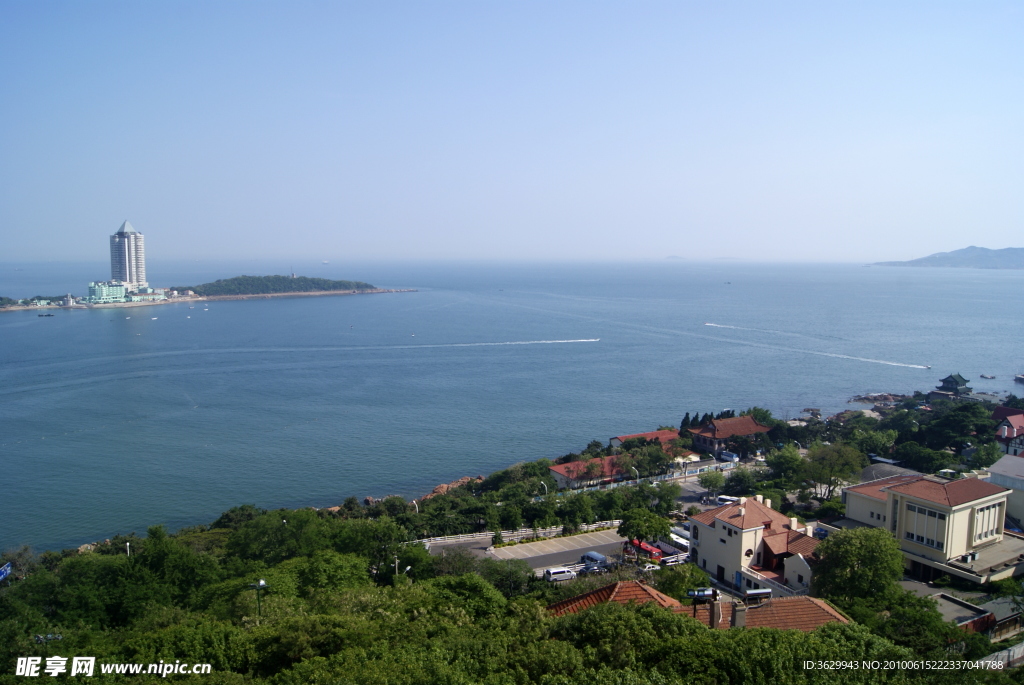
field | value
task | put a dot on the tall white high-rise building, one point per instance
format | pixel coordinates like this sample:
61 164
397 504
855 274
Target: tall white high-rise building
128 257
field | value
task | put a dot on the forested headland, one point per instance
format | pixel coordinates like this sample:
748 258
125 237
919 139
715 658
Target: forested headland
270 285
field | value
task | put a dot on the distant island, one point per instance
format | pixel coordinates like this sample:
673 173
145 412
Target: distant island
274 285
969 258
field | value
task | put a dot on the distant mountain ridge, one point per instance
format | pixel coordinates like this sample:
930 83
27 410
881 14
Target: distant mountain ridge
969 258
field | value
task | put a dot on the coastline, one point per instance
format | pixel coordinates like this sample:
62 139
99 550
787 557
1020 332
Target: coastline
207 298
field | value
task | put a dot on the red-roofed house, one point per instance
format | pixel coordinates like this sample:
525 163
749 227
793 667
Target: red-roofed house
664 437
1010 434
943 525
751 546
714 436
783 613
581 474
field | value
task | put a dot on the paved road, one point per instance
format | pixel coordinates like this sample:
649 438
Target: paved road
573 544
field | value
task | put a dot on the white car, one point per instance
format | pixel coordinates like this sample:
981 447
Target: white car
647 568
557 573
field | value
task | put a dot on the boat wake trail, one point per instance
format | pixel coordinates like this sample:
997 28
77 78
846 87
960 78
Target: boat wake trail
820 354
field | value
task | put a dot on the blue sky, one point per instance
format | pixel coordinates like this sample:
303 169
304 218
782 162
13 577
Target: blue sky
529 130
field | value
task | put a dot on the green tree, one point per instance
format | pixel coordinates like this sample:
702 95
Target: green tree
741 481
914 456
785 464
674 581
857 564
712 481
831 466
643 524
985 456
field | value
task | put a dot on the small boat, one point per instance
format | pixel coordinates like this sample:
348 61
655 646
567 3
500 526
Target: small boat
127 317
46 315
987 376
154 318
191 307
1019 378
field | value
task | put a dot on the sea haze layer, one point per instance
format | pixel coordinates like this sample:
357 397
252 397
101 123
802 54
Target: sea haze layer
109 424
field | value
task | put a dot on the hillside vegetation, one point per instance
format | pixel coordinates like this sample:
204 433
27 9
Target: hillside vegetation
970 258
268 285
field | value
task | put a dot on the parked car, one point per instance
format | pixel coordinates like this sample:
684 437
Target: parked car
647 568
557 573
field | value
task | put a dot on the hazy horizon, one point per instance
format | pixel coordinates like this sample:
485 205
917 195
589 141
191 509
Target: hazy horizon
578 132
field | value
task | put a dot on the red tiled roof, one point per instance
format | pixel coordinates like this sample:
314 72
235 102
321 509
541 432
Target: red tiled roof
1015 427
784 613
951 494
622 592
722 429
799 543
1000 413
664 437
754 515
874 488
578 469
790 541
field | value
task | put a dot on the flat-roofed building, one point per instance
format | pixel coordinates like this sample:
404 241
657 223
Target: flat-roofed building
102 292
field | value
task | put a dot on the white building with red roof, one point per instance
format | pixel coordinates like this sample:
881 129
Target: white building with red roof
943 526
751 546
1010 434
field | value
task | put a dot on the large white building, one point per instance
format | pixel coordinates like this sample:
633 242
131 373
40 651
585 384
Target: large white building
128 258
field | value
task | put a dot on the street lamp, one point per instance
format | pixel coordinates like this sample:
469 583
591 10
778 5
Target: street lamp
545 487
128 547
417 506
633 469
261 585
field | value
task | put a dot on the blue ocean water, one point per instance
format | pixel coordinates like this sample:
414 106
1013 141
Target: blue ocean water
109 424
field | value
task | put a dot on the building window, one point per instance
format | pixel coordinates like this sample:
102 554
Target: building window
940 544
910 535
722 540
942 517
799 579
920 538
729 532
929 542
911 507
872 515
883 518
704 563
749 584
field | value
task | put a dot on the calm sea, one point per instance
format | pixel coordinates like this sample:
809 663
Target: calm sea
109 424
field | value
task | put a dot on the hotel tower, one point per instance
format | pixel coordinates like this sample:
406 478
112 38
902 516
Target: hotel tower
128 258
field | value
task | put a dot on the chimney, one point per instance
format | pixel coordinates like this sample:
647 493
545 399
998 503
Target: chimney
743 511
743 500
739 615
716 615
809 531
759 498
793 523
768 503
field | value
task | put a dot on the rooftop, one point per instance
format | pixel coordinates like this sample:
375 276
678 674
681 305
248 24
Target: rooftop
745 515
950 493
722 429
578 469
664 437
622 592
783 613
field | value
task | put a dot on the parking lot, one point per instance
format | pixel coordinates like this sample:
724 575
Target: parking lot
558 546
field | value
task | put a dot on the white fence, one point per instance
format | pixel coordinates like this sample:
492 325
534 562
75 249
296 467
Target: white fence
1009 658
510 535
